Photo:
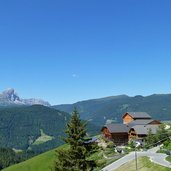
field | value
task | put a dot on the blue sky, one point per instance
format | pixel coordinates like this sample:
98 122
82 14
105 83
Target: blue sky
67 51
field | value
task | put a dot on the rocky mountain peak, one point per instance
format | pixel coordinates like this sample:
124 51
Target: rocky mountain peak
10 97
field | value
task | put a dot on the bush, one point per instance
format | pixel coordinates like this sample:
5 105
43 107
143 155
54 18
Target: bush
131 144
166 143
110 144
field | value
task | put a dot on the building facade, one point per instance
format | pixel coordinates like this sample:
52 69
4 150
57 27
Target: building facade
136 126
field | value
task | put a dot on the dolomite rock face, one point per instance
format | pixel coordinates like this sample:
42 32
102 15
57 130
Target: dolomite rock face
10 97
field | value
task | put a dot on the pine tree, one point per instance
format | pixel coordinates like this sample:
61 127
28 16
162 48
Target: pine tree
75 158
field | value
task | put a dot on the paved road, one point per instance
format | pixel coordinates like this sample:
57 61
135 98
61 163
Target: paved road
158 158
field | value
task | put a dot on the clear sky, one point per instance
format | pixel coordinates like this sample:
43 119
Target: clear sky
67 51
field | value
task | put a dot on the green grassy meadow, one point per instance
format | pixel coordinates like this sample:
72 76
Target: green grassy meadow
43 138
42 162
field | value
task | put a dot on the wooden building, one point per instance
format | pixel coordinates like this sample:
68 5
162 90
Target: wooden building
144 122
139 132
135 126
132 116
118 133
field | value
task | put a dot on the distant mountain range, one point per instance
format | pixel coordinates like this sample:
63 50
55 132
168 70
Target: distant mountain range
10 98
22 126
100 111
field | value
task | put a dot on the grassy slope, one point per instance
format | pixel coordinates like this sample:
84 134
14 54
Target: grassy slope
43 138
21 126
41 162
144 164
168 158
44 162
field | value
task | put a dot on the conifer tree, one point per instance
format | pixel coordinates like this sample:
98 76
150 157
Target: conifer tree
76 157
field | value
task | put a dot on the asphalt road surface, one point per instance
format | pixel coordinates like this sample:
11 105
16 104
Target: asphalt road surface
157 158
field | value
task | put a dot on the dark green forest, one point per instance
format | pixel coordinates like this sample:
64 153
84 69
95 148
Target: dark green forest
20 126
101 110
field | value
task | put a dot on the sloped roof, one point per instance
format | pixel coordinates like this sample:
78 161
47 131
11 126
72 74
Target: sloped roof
144 129
140 122
137 115
117 128
93 139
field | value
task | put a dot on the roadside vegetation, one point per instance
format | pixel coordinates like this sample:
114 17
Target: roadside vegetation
162 136
164 139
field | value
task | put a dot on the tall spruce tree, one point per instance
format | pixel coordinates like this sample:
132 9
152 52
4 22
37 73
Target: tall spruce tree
76 157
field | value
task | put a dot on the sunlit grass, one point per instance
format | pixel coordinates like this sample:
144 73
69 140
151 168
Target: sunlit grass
144 164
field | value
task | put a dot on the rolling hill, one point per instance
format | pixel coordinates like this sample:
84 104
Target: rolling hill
42 162
22 127
34 127
103 109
